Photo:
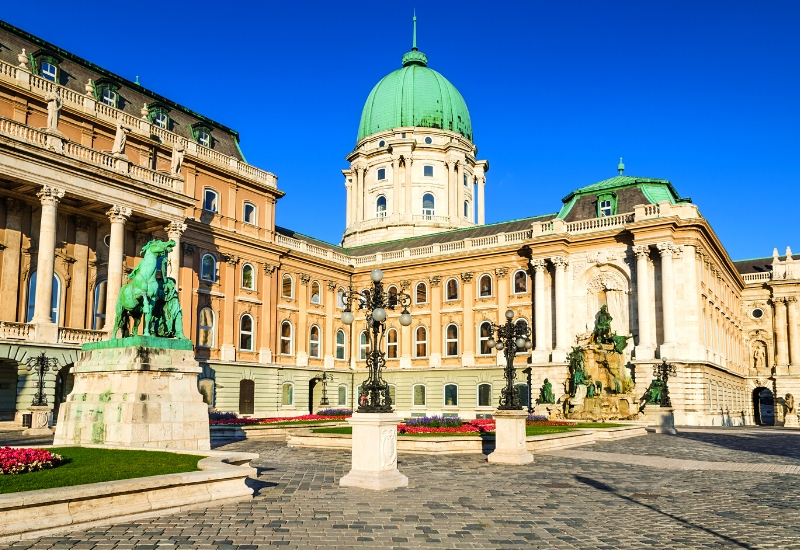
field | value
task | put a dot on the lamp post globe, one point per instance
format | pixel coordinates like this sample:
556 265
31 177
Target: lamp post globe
405 319
348 317
376 275
509 314
379 314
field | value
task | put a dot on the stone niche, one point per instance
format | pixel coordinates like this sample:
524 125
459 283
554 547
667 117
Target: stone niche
138 392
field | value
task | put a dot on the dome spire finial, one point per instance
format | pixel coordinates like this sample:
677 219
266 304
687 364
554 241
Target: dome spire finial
414 42
620 166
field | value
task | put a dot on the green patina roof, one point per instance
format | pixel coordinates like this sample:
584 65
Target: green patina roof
414 95
655 190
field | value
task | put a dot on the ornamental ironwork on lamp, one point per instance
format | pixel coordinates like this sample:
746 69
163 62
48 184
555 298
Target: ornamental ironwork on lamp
510 337
374 396
663 372
41 364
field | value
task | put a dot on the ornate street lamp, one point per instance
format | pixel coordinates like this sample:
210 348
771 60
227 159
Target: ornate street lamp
510 337
41 364
324 378
375 390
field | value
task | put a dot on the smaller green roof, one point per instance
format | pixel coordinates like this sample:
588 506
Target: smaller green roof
655 190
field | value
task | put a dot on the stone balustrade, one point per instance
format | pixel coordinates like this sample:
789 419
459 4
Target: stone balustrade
141 126
80 336
27 332
35 136
757 277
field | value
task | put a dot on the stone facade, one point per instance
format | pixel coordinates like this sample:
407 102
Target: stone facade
262 304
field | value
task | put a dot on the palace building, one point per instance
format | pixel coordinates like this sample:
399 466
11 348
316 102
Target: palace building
93 166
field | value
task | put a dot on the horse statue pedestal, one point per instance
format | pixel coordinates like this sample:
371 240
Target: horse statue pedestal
139 391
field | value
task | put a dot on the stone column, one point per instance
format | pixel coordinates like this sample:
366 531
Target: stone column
794 332
42 313
409 206
116 251
668 347
359 202
395 205
174 231
481 213
10 283
781 340
459 192
448 189
79 274
348 185
540 353
645 349
562 339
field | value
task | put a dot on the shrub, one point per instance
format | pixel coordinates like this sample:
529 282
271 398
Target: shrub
219 415
537 418
335 412
20 461
434 422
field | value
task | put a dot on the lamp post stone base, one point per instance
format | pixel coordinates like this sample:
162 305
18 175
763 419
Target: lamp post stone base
374 453
790 421
661 418
510 438
40 421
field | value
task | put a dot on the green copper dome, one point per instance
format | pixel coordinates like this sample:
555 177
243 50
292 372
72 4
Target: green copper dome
414 95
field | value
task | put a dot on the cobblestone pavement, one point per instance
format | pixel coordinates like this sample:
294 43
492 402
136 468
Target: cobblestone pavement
462 502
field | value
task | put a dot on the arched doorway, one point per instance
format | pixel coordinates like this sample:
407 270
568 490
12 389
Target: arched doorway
311 384
65 379
763 407
8 390
247 393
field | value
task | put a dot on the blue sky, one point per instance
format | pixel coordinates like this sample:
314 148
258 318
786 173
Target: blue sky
704 94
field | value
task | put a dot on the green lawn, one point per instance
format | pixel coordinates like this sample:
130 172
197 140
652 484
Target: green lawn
599 425
338 430
285 423
544 430
95 465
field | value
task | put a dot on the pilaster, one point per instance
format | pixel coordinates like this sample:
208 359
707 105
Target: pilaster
10 282
80 274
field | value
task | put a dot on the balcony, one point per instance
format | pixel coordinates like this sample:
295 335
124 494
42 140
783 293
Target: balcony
26 332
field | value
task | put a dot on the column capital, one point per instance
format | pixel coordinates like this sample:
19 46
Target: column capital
538 264
304 278
642 251
560 261
791 299
435 280
467 276
501 272
331 285
232 259
118 214
50 195
175 230
668 249
268 268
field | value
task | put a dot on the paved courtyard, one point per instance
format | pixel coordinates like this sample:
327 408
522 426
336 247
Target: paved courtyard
705 488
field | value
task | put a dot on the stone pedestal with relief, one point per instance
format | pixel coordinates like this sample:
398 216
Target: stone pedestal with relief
40 421
510 438
374 453
661 418
139 391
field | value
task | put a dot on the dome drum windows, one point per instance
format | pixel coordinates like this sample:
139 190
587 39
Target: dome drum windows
381 173
427 170
429 141
380 207
428 206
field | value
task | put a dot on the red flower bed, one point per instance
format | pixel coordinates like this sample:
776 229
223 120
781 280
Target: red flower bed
20 461
252 421
479 426
550 423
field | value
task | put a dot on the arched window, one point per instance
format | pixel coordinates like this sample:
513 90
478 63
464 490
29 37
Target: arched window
465 180
208 268
485 286
340 347
484 395
451 289
316 296
524 324
205 328
450 395
287 286
520 282
451 340
428 206
210 201
421 293
419 395
484 334
248 277
391 344
287 394
55 300
392 292
421 342
314 342
340 299
246 332
380 207
466 209
363 345
99 317
249 213
247 393
342 397
287 338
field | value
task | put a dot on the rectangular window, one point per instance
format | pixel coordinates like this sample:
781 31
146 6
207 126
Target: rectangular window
605 208
427 171
109 97
203 138
160 120
210 201
419 396
342 396
451 395
381 174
